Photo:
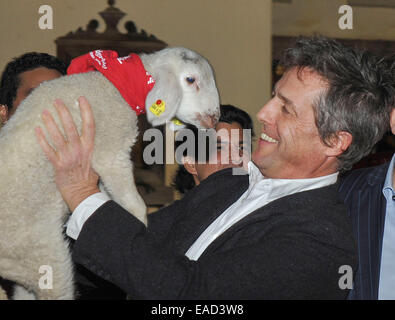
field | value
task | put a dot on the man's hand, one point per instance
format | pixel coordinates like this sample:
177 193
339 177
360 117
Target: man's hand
71 155
3 115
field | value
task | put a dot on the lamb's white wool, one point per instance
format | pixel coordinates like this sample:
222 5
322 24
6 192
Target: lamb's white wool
21 293
32 212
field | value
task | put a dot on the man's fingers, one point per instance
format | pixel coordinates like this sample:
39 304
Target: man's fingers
67 121
3 114
53 130
45 146
88 121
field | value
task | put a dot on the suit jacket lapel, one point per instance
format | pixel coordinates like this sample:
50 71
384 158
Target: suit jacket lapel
207 201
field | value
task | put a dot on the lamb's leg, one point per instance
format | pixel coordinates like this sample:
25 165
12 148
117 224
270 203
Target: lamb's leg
46 268
20 293
116 174
56 273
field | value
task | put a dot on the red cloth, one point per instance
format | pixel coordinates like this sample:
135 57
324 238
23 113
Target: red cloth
127 74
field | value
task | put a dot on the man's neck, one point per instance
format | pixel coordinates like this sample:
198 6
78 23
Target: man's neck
291 176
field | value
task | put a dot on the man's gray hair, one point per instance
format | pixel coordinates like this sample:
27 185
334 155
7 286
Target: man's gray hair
360 94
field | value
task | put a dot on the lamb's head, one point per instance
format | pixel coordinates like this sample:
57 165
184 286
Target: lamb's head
184 88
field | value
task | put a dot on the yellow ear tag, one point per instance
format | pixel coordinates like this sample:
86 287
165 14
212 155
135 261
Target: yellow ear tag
177 122
158 107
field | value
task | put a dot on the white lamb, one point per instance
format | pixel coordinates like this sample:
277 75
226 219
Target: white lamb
32 212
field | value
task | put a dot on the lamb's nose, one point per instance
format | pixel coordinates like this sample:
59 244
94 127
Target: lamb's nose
208 120
212 120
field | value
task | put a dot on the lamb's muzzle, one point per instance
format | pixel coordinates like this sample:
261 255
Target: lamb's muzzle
208 120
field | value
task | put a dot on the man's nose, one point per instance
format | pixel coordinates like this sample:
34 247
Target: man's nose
267 113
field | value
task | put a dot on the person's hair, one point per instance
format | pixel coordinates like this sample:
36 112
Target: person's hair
10 80
359 96
230 114
183 180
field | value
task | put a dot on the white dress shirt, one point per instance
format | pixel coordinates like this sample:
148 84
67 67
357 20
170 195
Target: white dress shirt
84 210
260 192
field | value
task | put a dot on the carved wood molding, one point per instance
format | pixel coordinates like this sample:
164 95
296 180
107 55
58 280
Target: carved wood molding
82 41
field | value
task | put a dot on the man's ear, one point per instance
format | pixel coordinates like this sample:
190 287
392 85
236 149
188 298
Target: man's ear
339 143
189 165
392 120
3 114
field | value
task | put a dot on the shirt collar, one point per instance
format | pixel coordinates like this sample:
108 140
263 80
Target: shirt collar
254 173
281 187
388 189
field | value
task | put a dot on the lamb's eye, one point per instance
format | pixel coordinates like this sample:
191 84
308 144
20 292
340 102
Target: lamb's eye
190 80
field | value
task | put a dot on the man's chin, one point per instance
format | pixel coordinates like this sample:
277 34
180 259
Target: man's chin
259 156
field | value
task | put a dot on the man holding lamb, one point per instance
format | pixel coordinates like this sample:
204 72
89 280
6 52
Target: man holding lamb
277 233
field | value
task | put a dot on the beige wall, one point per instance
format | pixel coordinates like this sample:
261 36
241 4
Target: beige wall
306 17
234 35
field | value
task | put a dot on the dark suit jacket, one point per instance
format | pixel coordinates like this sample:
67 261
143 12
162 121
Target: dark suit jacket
291 248
361 190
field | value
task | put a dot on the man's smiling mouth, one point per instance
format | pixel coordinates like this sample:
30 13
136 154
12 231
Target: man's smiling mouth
265 137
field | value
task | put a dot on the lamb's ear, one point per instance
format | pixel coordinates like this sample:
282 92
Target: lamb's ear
163 100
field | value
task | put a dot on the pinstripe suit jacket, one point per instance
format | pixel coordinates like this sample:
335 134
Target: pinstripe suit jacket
361 190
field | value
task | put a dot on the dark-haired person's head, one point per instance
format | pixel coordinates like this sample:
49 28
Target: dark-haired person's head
22 75
230 114
231 122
